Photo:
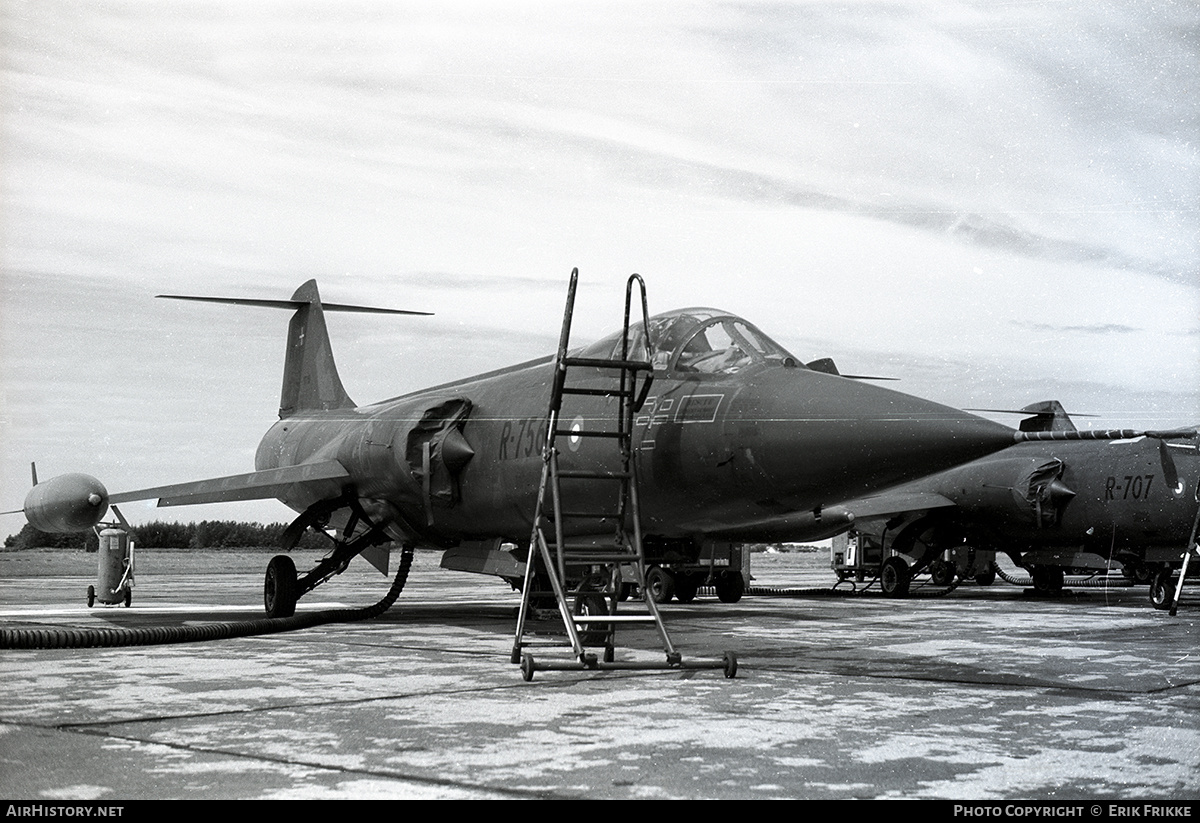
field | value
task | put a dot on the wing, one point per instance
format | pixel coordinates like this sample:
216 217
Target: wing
259 485
797 526
898 502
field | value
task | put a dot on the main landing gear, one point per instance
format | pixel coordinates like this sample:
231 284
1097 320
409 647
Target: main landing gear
282 587
895 577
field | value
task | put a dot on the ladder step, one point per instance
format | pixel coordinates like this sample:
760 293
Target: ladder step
598 557
589 550
587 433
581 474
597 392
590 515
580 546
606 363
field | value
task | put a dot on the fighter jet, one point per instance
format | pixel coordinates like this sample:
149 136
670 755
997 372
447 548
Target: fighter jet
735 438
1052 506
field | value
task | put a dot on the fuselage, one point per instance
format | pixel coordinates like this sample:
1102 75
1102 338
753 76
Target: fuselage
1117 499
719 444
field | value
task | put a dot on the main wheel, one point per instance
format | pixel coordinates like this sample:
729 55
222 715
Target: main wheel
730 587
686 586
279 587
986 577
1047 579
592 604
128 597
660 584
894 577
941 572
1162 589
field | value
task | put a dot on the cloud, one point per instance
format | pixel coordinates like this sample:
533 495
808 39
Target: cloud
1095 328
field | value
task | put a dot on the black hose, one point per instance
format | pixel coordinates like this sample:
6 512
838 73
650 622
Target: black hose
95 638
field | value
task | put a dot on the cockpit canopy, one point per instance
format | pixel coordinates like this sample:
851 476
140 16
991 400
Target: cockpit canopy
698 340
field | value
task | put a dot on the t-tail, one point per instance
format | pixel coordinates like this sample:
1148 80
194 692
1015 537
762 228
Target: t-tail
310 376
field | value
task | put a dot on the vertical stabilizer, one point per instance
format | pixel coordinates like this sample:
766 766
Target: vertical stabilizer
1048 416
310 377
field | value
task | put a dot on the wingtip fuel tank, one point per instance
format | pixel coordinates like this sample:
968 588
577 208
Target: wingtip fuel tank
66 503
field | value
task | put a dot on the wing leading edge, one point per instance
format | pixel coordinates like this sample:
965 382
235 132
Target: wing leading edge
258 485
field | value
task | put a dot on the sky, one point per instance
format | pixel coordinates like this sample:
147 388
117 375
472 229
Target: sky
994 203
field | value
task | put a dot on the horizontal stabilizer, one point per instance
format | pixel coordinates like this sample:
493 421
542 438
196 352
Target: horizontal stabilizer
260 485
289 304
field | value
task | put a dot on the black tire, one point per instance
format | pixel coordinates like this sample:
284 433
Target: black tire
1162 589
91 596
941 572
660 584
987 577
730 587
591 604
279 587
1047 579
686 586
128 596
730 665
894 577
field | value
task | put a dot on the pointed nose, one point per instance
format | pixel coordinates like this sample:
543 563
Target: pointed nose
849 438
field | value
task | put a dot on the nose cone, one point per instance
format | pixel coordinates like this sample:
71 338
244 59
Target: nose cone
849 438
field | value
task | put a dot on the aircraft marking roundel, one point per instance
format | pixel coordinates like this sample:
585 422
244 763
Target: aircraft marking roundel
575 439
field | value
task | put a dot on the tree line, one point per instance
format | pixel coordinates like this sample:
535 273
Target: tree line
207 534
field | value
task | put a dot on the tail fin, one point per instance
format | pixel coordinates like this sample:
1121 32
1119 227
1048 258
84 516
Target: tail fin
310 377
1048 416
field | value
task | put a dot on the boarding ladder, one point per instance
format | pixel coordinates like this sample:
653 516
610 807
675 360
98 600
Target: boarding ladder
587 523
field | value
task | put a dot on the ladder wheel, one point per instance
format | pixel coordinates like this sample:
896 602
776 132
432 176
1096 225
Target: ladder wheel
730 665
527 667
1161 590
